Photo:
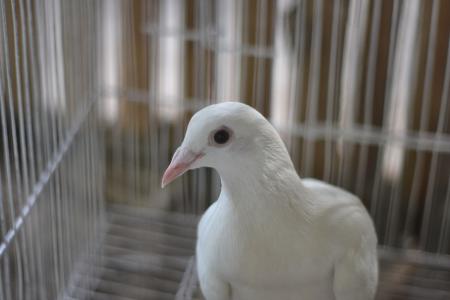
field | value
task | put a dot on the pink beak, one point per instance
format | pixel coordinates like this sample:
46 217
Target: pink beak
181 161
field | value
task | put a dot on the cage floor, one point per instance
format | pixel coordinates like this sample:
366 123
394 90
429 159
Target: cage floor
148 255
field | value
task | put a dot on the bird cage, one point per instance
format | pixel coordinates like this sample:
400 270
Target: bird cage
95 97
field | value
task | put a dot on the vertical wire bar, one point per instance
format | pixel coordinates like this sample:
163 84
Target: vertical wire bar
79 178
151 130
35 92
279 97
262 62
352 61
445 228
3 229
135 162
164 130
413 203
87 127
335 105
136 126
3 226
98 139
59 227
47 110
42 292
7 158
27 104
199 72
129 131
92 164
64 171
55 116
424 230
256 59
59 88
227 36
297 77
118 152
35 30
29 234
5 285
73 191
210 186
399 94
313 86
375 203
88 124
23 185
92 129
331 87
152 110
89 234
83 155
52 200
89 131
296 84
64 198
186 189
369 94
406 66
244 43
146 162
202 83
40 83
65 167
206 94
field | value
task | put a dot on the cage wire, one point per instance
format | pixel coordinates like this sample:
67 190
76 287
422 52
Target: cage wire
95 97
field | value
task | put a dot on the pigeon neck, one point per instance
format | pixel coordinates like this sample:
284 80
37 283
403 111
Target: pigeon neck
268 180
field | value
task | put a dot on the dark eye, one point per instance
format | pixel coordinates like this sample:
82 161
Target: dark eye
221 136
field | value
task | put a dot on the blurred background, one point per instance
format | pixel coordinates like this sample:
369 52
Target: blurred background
96 95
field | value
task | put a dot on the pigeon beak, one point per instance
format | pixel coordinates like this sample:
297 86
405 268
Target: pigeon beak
181 161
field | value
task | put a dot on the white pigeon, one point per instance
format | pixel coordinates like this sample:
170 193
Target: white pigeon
271 235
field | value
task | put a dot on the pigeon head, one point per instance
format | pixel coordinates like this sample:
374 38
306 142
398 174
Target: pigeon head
225 136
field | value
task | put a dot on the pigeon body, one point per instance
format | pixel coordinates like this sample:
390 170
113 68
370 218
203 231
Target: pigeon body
270 234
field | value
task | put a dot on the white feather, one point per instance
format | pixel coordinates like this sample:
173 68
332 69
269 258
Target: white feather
271 235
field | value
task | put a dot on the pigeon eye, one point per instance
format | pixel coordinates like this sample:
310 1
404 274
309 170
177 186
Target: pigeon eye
221 136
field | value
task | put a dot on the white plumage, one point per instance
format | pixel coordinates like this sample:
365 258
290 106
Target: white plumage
272 235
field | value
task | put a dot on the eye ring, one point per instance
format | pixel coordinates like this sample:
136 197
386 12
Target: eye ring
221 136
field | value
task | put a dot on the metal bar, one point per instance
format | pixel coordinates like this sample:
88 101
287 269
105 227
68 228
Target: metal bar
424 230
2 220
369 93
24 185
332 86
445 227
152 104
367 134
263 17
43 180
414 257
297 79
375 202
413 204
353 51
313 95
37 135
8 158
400 96
4 273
